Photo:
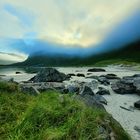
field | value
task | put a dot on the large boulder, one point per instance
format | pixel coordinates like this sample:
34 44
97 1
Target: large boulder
96 70
49 75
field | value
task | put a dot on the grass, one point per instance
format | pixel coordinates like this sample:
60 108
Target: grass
116 62
52 116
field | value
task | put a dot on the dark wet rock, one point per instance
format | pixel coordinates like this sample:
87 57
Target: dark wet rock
18 72
96 70
127 85
89 73
137 85
100 99
71 74
93 77
104 81
121 87
49 75
86 91
136 75
110 76
93 84
127 80
80 75
103 91
137 104
137 128
73 89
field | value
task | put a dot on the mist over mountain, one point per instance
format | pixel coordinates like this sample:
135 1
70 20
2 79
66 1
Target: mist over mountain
130 52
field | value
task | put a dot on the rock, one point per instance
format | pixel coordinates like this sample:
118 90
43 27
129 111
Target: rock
127 85
104 81
93 84
103 91
31 90
137 84
137 128
71 74
100 99
137 104
18 72
89 73
73 89
136 75
93 77
110 76
127 80
89 101
49 75
80 75
86 91
96 70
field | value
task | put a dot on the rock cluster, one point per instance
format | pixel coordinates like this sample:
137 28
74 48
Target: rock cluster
127 85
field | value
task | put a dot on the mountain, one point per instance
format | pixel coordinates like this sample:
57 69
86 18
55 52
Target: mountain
128 53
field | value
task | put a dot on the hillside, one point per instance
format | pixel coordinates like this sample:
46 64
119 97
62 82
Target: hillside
129 53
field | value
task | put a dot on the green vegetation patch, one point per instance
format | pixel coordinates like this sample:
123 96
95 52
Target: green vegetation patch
53 116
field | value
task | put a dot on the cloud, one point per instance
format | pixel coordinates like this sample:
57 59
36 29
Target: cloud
81 23
9 58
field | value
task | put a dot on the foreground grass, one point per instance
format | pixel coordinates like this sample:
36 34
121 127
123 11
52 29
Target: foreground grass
51 116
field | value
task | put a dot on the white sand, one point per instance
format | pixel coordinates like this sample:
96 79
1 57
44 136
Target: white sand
126 118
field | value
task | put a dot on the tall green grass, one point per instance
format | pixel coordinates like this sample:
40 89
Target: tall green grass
52 116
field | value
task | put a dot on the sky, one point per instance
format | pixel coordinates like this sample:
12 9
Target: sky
72 27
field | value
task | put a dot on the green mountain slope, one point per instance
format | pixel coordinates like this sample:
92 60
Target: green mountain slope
129 53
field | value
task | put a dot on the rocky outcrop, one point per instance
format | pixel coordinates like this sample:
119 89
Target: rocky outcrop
49 75
96 70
